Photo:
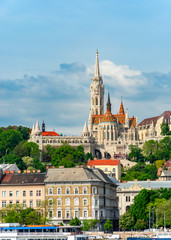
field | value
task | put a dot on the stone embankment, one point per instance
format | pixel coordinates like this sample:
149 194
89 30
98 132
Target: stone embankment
123 235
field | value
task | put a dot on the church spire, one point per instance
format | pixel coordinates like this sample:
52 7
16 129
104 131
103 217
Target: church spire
121 110
108 103
97 71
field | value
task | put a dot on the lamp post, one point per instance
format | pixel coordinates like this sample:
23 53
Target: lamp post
149 217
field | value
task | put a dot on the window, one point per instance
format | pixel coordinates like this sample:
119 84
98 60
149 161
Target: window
38 193
76 201
50 191
38 203
17 193
84 190
67 201
85 201
59 202
113 170
17 202
4 203
76 190
59 214
96 202
67 214
85 214
31 204
96 214
10 193
50 213
24 193
24 204
106 170
31 193
101 213
127 198
4 194
94 190
50 202
67 190
59 191
76 213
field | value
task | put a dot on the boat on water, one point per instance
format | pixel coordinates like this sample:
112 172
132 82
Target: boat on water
16 232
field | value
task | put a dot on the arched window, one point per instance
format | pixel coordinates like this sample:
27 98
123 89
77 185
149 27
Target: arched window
50 191
59 190
59 202
85 201
76 201
50 202
67 201
76 190
113 170
106 170
67 190
127 208
84 190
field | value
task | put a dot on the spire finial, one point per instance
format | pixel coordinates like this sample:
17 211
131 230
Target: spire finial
97 71
108 102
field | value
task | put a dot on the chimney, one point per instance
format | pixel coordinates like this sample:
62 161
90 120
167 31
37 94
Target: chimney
19 171
25 171
7 172
12 171
33 171
38 171
28 171
61 166
135 180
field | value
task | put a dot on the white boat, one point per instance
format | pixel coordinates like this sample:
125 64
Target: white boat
16 232
163 235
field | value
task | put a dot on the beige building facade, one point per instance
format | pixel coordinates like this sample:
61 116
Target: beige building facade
80 192
26 189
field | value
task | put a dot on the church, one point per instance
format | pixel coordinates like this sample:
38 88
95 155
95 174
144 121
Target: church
106 135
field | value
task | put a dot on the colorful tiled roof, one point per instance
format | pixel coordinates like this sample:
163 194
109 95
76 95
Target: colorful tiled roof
112 162
108 117
49 133
121 110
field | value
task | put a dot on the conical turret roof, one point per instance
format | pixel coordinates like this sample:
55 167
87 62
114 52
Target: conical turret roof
121 110
85 129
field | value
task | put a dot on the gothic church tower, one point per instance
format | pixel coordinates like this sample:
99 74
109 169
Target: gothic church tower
97 91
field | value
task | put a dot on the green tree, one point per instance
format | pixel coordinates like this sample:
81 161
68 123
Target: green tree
159 163
165 129
164 209
89 224
126 221
13 158
8 140
135 153
28 161
149 150
25 132
164 148
108 225
75 222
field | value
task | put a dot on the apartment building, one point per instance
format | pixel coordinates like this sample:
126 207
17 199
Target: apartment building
80 192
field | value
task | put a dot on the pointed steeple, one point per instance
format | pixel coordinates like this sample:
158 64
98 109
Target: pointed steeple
37 129
33 129
97 71
85 132
121 110
108 103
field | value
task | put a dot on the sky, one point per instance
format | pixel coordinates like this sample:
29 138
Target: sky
47 57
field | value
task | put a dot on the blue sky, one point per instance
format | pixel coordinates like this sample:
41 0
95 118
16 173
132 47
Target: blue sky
47 55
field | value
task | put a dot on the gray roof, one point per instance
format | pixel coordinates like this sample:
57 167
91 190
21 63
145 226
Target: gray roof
166 173
145 184
81 174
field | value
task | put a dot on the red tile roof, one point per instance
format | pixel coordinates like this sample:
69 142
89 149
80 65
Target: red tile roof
103 162
49 133
148 121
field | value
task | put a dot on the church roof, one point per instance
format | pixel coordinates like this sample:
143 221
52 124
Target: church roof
121 110
49 133
108 117
121 119
100 162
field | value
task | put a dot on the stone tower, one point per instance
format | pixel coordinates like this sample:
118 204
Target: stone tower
97 91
